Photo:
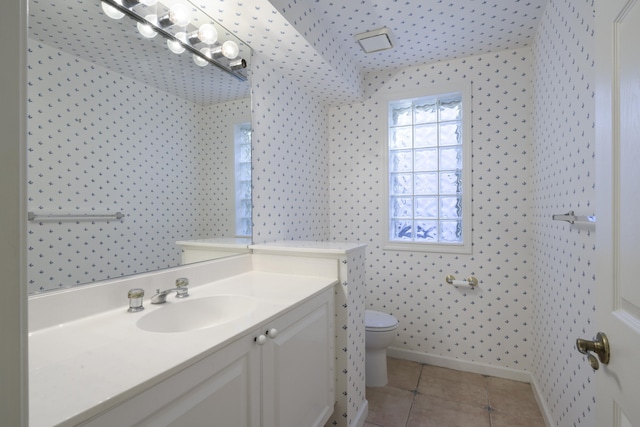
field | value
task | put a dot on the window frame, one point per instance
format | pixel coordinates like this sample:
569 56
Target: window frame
434 90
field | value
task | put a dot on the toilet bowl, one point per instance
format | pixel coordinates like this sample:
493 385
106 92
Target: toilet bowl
379 334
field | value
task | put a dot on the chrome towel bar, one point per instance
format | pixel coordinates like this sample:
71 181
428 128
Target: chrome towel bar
77 217
571 218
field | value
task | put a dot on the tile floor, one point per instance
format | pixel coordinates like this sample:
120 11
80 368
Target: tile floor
420 395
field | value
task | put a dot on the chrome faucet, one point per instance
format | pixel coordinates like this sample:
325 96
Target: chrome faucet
181 291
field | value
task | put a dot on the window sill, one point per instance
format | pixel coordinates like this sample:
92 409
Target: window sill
447 248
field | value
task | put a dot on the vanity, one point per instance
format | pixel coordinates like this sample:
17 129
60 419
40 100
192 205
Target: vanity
93 363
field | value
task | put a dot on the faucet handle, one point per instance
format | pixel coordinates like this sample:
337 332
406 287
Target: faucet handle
181 286
135 300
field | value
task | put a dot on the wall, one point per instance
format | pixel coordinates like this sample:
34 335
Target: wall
490 325
563 179
290 159
101 142
216 159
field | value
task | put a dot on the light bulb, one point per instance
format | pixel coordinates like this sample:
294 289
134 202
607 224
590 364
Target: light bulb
111 11
230 49
180 15
200 61
147 30
208 34
175 46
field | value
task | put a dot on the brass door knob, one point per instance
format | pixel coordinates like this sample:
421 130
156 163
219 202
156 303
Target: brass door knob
600 346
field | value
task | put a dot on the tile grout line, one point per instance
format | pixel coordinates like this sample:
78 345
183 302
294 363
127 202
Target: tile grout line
415 393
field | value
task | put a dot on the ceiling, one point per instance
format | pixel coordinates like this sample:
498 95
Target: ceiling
310 41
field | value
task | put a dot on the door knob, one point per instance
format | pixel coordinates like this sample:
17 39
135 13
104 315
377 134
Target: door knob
600 346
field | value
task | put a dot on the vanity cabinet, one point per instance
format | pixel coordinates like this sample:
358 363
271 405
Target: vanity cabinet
277 375
297 367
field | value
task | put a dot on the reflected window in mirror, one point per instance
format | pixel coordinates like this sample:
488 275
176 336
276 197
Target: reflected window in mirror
243 179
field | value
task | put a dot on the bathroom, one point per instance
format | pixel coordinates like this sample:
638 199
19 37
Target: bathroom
317 176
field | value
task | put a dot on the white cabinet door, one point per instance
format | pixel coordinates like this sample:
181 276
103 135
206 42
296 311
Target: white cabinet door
222 390
297 366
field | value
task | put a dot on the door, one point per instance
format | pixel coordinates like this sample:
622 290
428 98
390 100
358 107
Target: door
297 367
618 209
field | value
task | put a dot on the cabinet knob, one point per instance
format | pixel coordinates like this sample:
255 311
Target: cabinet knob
273 332
260 339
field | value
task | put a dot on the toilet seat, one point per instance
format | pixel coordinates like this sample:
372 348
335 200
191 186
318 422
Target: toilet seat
376 321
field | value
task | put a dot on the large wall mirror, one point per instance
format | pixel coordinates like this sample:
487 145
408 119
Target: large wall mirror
118 123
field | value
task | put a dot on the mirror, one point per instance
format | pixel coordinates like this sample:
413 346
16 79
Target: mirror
118 123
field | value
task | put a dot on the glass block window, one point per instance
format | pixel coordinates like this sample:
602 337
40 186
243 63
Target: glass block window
243 179
426 168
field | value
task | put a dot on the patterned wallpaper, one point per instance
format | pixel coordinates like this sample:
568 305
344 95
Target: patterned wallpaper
563 260
100 142
490 324
215 181
290 159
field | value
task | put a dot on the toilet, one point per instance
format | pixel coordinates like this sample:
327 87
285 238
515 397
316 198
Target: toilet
379 334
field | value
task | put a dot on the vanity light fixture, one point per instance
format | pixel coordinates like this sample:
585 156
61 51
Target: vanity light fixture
376 40
173 23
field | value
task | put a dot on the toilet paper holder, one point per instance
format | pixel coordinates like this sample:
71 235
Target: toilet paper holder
470 281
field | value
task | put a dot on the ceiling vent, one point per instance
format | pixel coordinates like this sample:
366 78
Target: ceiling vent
376 40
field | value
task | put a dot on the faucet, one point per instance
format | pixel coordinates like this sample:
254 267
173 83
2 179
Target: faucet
181 291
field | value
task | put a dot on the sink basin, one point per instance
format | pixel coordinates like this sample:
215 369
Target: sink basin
197 313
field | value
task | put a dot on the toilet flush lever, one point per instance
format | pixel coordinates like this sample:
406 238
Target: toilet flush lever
600 346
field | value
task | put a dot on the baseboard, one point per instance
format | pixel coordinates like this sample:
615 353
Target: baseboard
542 404
361 416
477 368
460 365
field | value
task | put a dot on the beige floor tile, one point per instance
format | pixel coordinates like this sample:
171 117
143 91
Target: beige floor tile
453 385
388 406
430 411
510 420
512 397
372 425
403 374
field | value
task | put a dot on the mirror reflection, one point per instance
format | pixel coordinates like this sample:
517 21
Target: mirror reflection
118 123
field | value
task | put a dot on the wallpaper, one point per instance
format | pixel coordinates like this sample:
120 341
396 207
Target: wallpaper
290 159
563 256
490 324
99 142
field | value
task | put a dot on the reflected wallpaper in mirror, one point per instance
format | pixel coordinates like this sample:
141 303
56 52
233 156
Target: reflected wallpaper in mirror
103 140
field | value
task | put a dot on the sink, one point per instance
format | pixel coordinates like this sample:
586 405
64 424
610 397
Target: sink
197 313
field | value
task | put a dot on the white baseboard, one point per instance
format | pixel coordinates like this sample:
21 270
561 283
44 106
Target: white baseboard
477 368
361 416
542 404
460 365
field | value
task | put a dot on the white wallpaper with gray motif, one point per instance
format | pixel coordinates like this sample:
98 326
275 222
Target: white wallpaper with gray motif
490 324
290 159
99 142
563 258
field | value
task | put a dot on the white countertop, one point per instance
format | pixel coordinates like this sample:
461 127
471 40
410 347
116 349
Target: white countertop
80 368
302 247
218 242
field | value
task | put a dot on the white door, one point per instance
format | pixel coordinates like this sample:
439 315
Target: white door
617 63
